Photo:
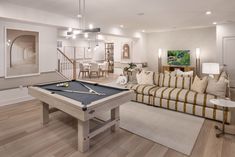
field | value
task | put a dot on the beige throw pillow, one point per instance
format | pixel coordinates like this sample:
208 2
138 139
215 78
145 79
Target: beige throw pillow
217 88
145 77
199 85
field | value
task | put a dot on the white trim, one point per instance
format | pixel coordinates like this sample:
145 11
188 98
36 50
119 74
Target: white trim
16 100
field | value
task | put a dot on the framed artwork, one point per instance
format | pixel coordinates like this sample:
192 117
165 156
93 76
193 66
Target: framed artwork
69 51
21 53
126 50
59 44
88 53
80 52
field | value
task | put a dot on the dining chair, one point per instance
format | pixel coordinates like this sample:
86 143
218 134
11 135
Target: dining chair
84 70
104 69
94 69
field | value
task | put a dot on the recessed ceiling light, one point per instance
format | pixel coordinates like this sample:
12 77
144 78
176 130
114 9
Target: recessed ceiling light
208 13
143 31
214 23
122 26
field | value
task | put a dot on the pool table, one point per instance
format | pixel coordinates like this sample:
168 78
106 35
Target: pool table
83 106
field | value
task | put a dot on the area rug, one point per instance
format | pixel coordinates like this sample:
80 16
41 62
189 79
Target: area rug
172 129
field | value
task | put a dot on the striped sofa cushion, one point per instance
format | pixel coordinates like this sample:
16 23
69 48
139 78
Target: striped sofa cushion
166 80
156 78
143 89
182 95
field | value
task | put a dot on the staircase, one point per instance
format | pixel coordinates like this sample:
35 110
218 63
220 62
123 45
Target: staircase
66 66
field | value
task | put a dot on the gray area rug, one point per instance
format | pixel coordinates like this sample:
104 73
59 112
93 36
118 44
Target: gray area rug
172 129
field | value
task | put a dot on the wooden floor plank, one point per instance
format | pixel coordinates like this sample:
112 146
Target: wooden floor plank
157 151
22 135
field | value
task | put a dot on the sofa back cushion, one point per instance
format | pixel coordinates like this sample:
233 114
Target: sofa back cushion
145 77
166 80
199 85
156 78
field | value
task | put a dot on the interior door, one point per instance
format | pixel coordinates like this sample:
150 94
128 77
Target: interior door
229 57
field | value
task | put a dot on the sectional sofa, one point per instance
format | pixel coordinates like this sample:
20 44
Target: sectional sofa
174 93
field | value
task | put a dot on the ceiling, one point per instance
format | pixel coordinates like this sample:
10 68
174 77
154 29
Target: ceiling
158 14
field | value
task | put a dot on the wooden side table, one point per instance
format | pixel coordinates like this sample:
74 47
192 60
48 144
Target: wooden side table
225 104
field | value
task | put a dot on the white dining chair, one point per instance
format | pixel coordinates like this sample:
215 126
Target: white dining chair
94 69
104 69
84 70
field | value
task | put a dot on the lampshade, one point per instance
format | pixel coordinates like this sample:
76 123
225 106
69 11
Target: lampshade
210 68
159 53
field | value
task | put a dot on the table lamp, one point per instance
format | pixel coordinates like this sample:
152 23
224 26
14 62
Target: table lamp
210 68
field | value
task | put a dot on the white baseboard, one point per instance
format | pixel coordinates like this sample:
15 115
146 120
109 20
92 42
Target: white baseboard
13 96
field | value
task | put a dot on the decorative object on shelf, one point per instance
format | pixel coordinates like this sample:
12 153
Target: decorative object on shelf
198 66
225 103
159 60
211 69
109 56
178 57
126 51
21 53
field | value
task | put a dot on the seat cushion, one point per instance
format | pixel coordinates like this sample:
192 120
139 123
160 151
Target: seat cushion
182 95
143 89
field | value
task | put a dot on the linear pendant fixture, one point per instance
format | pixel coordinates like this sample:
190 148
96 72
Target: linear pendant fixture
82 22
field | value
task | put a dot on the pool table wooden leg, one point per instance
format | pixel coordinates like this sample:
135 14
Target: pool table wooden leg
83 136
44 114
115 115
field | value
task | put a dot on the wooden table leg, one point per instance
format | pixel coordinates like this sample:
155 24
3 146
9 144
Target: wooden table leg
44 114
83 136
115 115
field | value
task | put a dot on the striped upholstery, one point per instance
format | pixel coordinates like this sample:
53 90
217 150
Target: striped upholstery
182 95
194 109
166 80
173 92
156 78
143 89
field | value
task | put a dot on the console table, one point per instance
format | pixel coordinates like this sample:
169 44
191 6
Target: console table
172 68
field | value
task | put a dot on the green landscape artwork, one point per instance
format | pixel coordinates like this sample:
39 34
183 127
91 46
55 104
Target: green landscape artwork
178 57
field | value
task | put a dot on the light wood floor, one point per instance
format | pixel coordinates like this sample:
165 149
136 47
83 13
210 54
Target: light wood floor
21 135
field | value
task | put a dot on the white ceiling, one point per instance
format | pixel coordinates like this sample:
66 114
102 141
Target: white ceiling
158 14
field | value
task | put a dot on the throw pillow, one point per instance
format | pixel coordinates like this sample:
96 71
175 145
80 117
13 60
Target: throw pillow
217 88
145 77
199 85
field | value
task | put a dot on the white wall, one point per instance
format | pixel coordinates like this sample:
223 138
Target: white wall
97 55
138 46
224 30
204 38
47 44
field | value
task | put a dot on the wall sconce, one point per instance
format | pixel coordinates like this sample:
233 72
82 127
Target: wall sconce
198 66
159 60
